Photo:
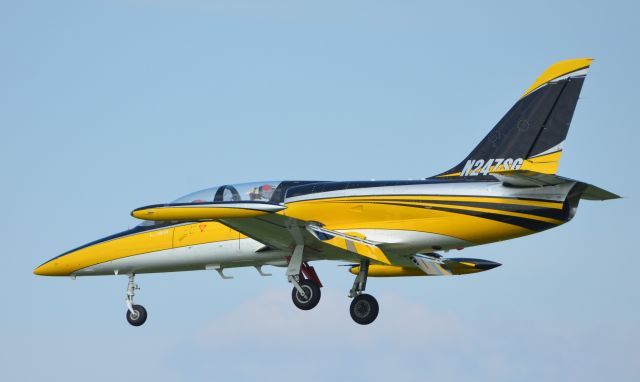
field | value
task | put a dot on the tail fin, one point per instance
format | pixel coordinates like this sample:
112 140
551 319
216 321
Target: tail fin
531 134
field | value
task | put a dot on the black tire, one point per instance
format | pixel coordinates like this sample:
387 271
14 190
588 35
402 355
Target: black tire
312 290
364 309
139 317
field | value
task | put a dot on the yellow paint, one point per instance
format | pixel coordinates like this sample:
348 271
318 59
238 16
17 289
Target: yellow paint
511 201
551 157
194 213
489 210
557 70
336 214
137 244
203 232
449 175
456 268
125 246
362 249
545 164
389 271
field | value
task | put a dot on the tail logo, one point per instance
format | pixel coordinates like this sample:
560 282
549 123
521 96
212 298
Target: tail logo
481 167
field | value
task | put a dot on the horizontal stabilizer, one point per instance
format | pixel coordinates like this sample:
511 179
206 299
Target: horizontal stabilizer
596 193
350 243
205 211
524 178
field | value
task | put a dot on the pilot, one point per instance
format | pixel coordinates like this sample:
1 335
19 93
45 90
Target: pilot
263 192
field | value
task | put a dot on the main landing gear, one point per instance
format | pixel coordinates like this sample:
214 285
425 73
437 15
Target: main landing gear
364 307
136 314
306 289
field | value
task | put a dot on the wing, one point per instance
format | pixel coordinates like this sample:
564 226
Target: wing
263 222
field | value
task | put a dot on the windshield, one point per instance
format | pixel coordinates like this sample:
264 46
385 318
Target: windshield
255 191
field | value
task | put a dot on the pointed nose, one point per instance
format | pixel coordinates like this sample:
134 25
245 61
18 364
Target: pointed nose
41 270
132 242
53 267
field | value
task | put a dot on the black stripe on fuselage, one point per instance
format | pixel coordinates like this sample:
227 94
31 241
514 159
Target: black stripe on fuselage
552 213
534 225
530 224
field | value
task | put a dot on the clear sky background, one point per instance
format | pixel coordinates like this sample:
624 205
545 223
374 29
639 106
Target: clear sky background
106 106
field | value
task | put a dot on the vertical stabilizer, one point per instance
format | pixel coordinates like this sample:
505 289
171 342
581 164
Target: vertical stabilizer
530 136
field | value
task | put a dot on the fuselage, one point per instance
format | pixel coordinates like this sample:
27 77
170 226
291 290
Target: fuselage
406 217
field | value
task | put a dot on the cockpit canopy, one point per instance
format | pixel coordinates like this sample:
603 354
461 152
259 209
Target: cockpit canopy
267 191
255 191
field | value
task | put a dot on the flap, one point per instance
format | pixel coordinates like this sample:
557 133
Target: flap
353 244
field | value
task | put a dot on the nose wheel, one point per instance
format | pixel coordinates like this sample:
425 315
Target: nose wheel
136 314
305 280
311 296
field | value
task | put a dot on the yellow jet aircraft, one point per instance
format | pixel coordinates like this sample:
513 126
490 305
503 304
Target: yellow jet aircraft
506 188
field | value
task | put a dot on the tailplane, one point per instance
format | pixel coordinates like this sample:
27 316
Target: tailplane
530 136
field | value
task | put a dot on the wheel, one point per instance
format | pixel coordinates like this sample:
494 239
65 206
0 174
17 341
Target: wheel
312 292
364 309
138 317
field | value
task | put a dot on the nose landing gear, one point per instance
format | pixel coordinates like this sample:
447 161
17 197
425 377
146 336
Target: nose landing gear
305 280
306 287
136 314
311 296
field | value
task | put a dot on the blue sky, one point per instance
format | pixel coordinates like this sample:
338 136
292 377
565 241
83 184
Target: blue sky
106 106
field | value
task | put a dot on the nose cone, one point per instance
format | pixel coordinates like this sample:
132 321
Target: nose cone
54 267
42 270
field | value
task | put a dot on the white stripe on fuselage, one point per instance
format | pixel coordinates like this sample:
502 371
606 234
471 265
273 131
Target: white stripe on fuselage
228 253
473 189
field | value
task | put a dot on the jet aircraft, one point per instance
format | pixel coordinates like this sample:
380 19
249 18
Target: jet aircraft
505 188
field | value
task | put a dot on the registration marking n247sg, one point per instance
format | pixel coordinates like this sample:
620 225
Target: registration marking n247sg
477 167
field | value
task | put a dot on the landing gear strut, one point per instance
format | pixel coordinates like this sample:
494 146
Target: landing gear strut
364 308
136 314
